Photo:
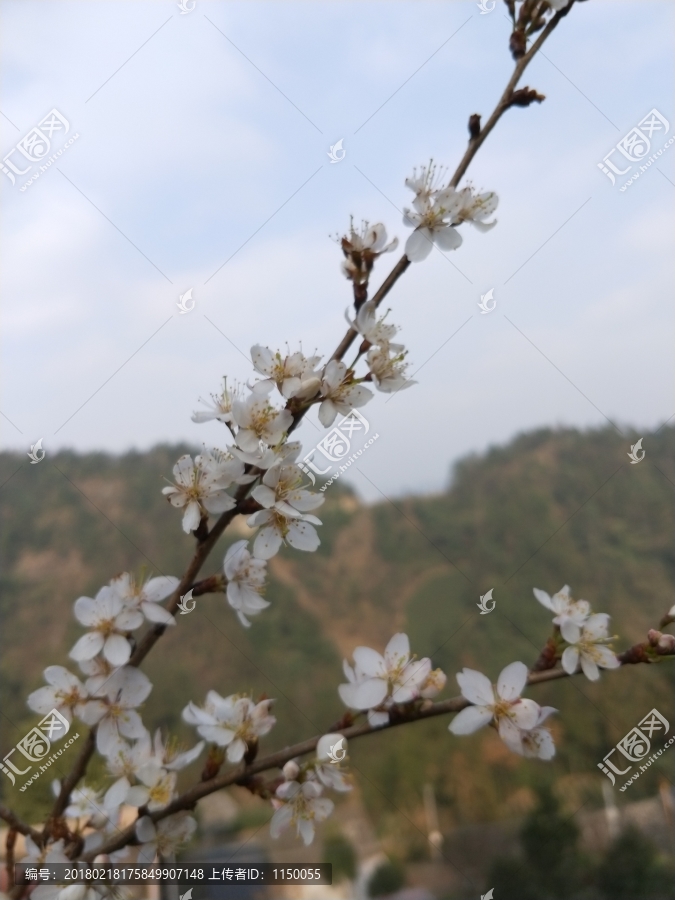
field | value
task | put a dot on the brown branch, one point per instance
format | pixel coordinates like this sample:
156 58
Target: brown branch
243 773
506 100
9 857
16 824
69 782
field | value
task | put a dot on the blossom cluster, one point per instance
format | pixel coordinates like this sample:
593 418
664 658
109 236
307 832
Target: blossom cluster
585 633
298 800
377 683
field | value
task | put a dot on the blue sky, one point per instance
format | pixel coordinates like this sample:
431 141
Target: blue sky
202 149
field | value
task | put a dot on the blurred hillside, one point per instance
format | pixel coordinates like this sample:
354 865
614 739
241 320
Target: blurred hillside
552 507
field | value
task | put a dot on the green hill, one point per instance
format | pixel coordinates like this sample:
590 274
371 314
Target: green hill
551 507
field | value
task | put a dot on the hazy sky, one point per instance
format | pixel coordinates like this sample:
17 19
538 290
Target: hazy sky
202 162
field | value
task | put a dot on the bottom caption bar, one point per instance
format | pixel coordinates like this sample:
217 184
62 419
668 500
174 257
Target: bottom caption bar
206 873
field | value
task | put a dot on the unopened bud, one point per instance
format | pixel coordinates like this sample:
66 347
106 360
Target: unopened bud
654 636
667 643
291 770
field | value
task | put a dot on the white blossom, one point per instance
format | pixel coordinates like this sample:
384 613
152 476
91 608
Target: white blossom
378 680
373 329
115 707
387 368
361 249
538 742
170 758
235 722
245 581
146 597
51 853
300 805
564 607
164 838
65 693
110 622
276 528
259 421
437 209
125 760
156 789
511 713
265 458
327 768
221 410
199 489
281 490
294 375
340 395
588 646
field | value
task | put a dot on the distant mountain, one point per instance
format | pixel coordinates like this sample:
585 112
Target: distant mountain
551 507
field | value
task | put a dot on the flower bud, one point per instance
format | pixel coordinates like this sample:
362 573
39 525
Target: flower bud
291 770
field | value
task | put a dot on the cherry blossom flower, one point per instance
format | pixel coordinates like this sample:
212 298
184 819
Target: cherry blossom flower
170 758
436 210
511 713
114 709
564 607
588 646
538 742
157 788
433 683
362 249
235 722
146 597
281 490
340 394
65 693
125 760
221 410
259 421
296 530
269 456
50 853
327 767
301 805
376 680
294 375
110 621
198 490
245 581
373 329
387 369
164 838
